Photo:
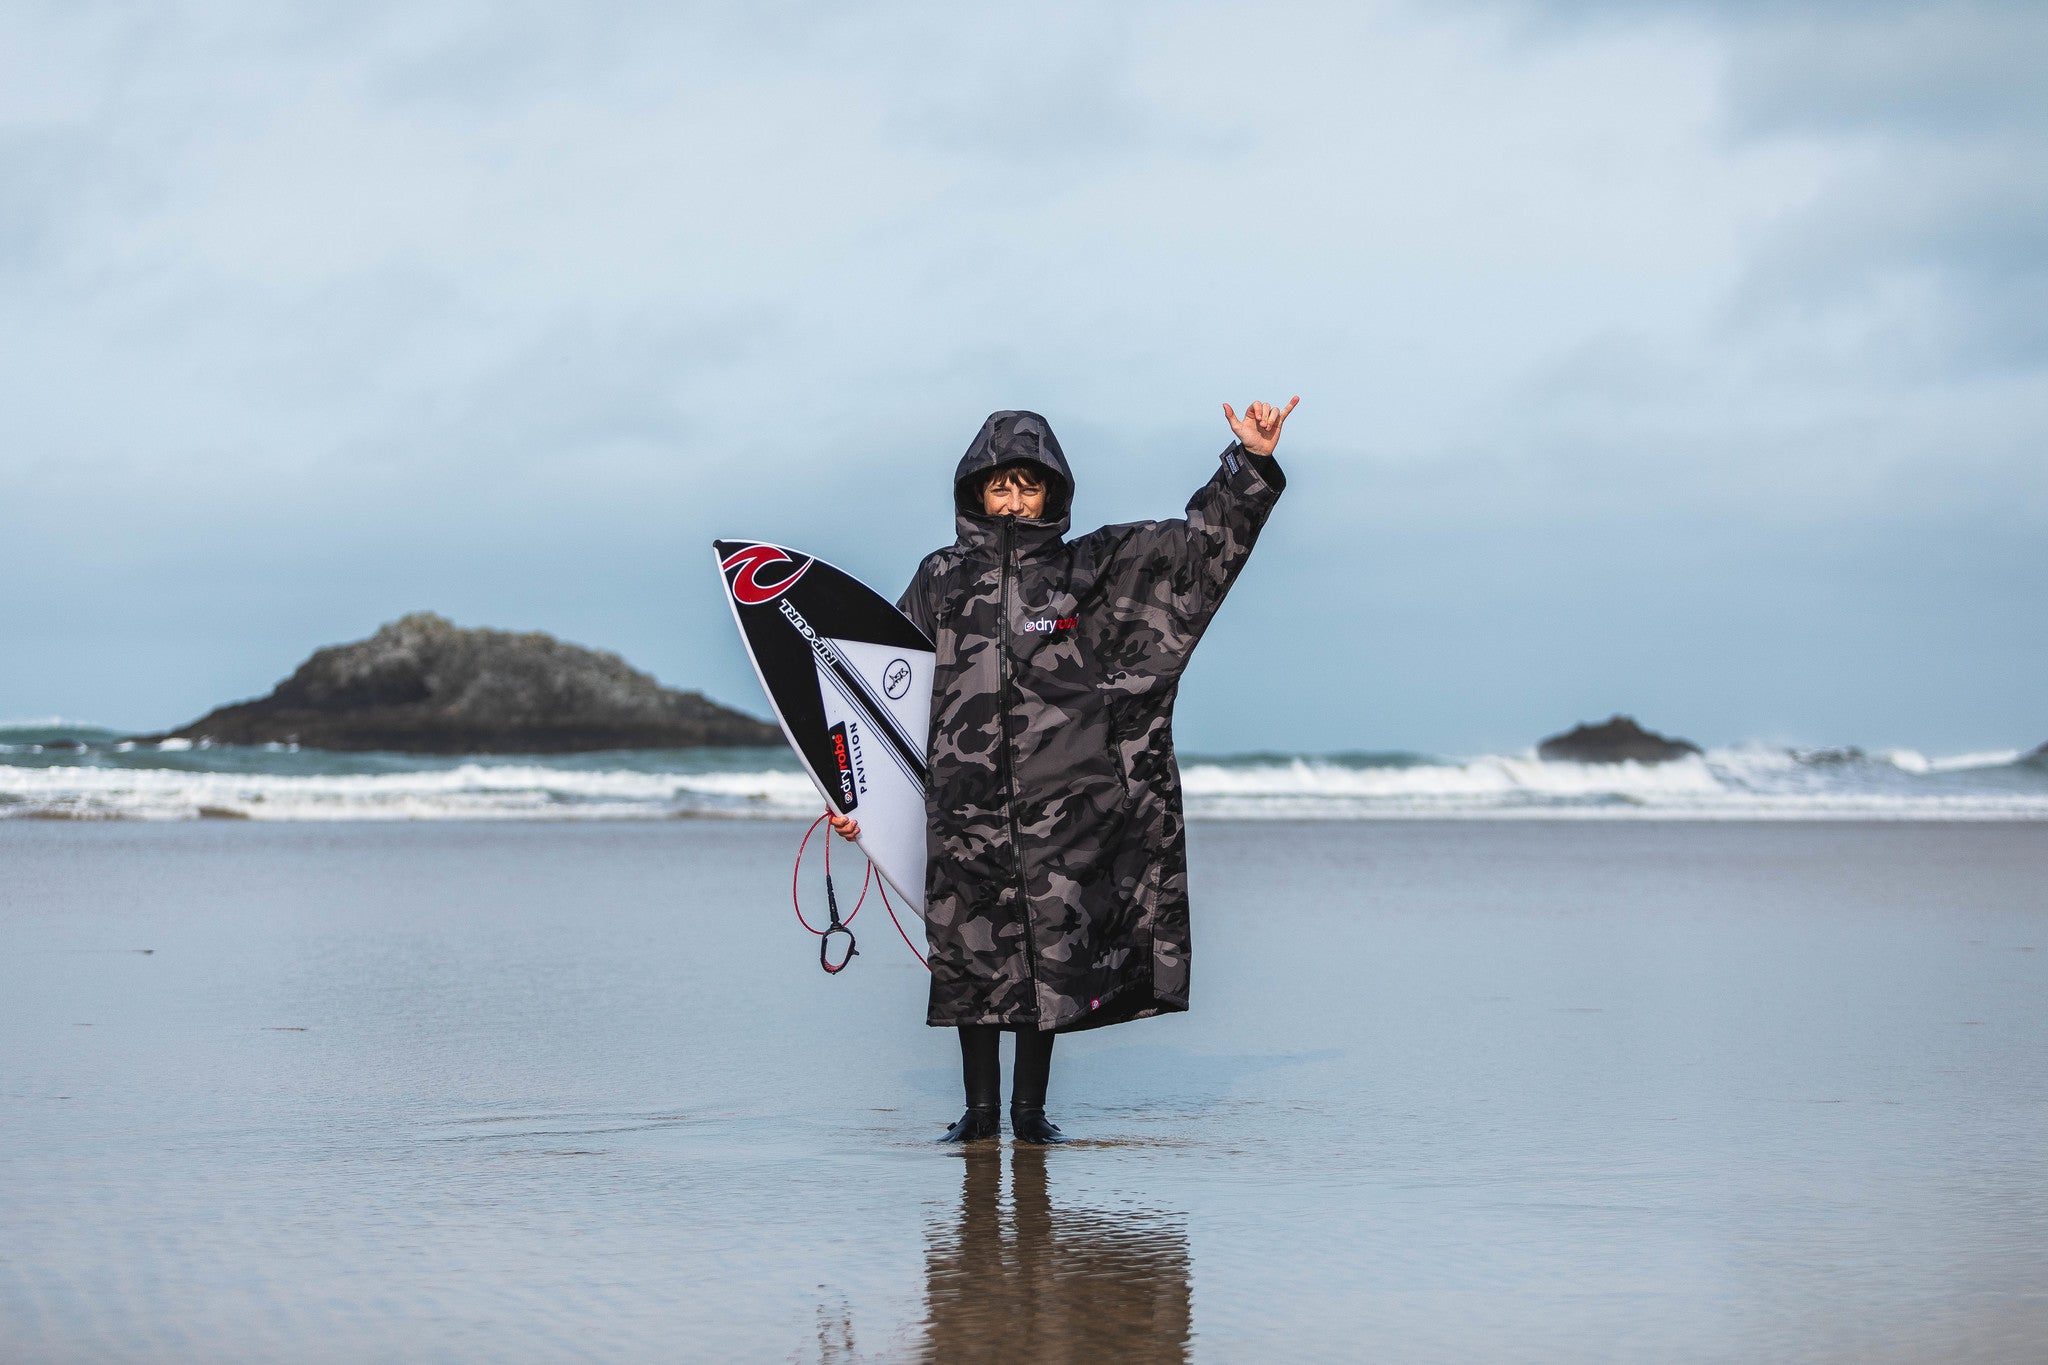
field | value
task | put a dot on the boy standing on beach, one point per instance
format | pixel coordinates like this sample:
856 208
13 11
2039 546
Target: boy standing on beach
1056 893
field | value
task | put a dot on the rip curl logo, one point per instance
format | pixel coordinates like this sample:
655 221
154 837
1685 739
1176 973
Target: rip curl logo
747 588
1043 625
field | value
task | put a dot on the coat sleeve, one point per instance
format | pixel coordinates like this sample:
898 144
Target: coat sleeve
916 602
1172 575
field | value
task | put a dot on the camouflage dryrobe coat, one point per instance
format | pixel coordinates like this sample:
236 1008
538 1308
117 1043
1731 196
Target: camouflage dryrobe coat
1056 896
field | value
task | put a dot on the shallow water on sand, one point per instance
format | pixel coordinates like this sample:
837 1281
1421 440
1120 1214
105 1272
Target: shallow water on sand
1513 1092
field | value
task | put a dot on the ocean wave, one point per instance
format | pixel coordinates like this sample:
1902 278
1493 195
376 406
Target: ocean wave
1909 760
469 791
1744 783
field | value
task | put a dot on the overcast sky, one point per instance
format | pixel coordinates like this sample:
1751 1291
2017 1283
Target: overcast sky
1688 359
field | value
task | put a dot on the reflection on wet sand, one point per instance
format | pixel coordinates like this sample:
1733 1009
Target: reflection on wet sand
1031 1281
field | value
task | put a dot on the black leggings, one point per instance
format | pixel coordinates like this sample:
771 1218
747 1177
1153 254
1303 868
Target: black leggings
981 1065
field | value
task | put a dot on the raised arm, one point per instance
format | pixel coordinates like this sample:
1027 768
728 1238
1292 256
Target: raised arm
1167 578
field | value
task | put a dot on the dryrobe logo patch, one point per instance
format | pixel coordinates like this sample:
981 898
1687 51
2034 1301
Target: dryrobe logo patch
747 588
896 679
842 753
1045 625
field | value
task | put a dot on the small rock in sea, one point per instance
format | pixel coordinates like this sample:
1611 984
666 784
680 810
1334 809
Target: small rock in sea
1617 740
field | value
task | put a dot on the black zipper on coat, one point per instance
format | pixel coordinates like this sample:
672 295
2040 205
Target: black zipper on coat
1010 761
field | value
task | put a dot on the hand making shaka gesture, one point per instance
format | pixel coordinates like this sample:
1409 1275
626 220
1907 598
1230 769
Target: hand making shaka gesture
1259 429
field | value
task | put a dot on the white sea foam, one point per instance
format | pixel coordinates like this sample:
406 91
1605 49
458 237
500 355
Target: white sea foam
1913 761
467 792
1740 783
1997 758
1725 784
1484 777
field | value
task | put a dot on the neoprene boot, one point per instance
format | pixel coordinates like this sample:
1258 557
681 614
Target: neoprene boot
1027 1088
981 1067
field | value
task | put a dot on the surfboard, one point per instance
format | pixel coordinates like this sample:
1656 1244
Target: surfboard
850 681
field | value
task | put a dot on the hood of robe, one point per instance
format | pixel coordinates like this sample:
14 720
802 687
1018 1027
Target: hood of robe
1013 438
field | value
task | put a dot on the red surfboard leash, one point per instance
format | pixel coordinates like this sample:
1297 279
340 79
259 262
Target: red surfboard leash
836 925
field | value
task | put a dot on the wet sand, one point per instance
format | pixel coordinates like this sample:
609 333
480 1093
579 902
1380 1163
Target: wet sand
1515 1092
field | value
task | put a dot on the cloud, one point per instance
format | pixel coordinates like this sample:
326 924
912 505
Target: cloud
1931 227
310 315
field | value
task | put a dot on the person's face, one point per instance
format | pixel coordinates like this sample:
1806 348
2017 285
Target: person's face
1015 492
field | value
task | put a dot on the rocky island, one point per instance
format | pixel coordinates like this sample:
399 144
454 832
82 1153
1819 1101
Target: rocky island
1618 739
427 686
